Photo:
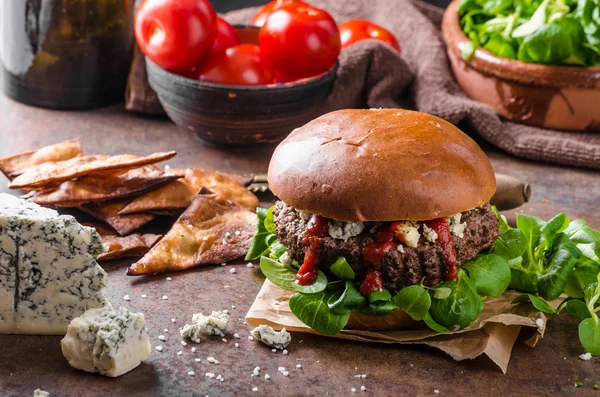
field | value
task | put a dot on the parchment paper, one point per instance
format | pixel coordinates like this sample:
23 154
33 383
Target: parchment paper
493 333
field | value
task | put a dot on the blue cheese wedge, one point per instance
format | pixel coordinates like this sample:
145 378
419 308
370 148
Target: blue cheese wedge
215 324
276 339
108 341
48 269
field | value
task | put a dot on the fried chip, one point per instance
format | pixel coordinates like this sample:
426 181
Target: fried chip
108 212
134 245
105 186
53 173
210 231
15 165
177 196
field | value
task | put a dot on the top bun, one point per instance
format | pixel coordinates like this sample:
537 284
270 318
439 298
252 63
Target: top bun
381 165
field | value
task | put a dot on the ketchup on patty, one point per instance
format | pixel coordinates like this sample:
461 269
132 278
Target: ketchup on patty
307 274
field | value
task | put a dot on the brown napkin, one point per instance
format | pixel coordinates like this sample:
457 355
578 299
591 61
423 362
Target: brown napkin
371 75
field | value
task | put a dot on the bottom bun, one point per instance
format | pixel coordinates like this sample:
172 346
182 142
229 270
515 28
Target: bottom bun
397 320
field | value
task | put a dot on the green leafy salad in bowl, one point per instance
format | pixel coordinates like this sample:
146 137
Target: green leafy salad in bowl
384 216
551 32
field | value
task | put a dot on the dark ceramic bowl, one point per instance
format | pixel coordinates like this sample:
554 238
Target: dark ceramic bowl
239 115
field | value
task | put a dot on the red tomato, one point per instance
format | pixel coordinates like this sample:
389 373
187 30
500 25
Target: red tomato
243 64
356 30
176 34
226 36
282 78
300 41
266 10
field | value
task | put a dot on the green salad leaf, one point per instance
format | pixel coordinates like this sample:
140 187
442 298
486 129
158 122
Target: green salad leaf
490 273
347 300
461 307
379 308
415 301
577 308
342 269
434 325
555 32
277 273
380 296
263 237
312 310
537 302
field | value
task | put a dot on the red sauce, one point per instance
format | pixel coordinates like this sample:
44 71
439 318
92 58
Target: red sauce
371 283
373 252
442 228
318 228
307 274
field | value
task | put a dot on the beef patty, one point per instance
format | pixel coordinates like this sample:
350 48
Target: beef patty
399 268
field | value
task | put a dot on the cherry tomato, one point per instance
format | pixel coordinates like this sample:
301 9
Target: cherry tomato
300 41
176 34
243 64
356 30
266 10
226 36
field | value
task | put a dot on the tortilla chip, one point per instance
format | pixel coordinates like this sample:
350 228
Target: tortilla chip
53 173
109 213
105 186
210 231
15 165
179 194
118 247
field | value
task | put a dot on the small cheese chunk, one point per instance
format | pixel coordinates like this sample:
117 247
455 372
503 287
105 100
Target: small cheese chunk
285 259
429 233
345 230
270 337
40 393
408 233
215 324
111 342
457 228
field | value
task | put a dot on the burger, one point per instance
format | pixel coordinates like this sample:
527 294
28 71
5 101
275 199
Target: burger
383 222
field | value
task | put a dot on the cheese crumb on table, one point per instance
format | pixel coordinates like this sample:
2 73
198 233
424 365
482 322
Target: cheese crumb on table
126 298
40 393
215 324
255 388
270 337
585 356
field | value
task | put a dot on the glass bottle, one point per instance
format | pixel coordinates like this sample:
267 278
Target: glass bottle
65 54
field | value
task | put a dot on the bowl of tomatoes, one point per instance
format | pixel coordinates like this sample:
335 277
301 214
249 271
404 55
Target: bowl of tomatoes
243 84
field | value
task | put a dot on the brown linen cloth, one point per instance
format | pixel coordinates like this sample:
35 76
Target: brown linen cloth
372 75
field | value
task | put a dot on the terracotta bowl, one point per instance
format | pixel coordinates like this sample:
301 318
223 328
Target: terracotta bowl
561 97
239 115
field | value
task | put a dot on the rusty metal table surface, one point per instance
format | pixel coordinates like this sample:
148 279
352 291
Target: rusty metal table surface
328 365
